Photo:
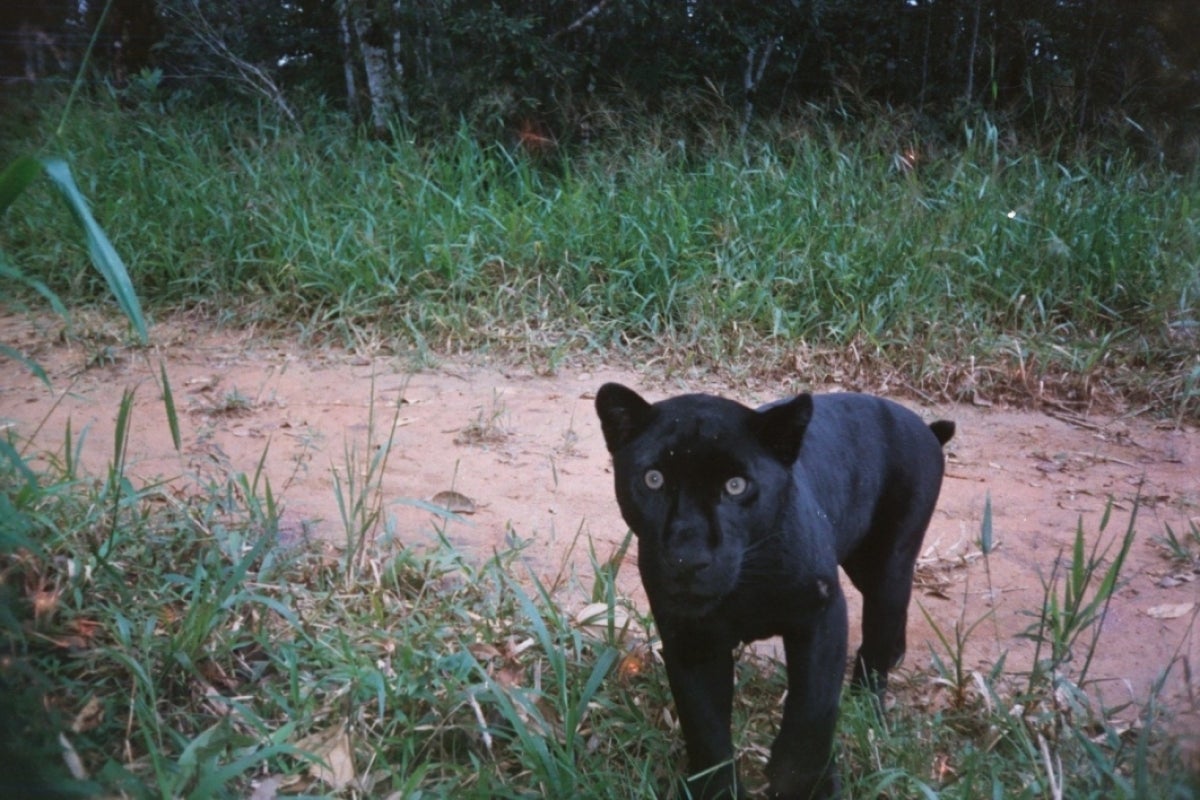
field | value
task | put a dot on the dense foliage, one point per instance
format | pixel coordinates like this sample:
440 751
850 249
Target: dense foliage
1050 67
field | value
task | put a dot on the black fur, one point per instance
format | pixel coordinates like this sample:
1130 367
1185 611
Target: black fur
742 517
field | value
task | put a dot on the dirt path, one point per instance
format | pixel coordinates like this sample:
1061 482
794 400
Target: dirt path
527 450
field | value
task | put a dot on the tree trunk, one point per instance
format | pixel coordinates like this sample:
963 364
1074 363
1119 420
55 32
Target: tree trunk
348 59
377 43
970 93
756 64
925 58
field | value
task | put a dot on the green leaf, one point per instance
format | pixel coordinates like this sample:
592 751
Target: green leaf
104 255
10 454
9 272
169 401
32 366
15 178
121 436
985 528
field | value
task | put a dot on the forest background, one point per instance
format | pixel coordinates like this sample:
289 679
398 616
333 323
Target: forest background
1053 70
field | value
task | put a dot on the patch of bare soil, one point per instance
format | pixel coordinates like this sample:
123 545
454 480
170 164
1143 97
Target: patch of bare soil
521 456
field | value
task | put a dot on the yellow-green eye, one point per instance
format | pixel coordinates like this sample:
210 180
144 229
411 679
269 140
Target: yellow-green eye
735 486
654 479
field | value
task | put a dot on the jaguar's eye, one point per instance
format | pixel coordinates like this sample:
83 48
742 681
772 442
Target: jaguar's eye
654 479
735 486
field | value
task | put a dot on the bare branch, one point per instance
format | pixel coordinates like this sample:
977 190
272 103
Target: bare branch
253 76
587 17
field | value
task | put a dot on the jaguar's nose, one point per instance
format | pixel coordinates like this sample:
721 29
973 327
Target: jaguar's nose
688 563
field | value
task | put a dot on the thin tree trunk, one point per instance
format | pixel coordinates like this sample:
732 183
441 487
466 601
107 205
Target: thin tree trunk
375 40
970 94
925 58
348 58
398 58
756 65
375 65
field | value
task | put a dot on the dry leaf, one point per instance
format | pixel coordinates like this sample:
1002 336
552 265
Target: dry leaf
510 675
73 644
483 651
202 384
169 615
267 788
1170 610
332 747
85 632
454 501
633 665
625 625
86 628
596 615
215 674
89 717
45 602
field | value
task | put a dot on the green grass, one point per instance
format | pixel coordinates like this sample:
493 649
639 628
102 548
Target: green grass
212 653
174 645
985 270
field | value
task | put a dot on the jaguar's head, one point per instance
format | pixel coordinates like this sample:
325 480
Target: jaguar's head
701 481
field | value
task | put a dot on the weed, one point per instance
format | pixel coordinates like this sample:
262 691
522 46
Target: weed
951 671
359 490
1183 549
489 426
1076 598
570 440
232 403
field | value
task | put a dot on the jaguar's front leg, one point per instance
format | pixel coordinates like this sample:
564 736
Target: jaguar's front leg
701 678
802 765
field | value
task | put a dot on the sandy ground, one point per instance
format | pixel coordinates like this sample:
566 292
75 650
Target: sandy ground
525 449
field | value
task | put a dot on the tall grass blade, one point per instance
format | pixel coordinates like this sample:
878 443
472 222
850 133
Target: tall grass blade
169 403
12 456
30 364
1098 609
104 256
16 525
70 453
986 543
9 272
83 67
121 435
116 472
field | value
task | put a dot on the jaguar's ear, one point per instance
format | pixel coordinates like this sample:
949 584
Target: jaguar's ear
781 427
623 414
